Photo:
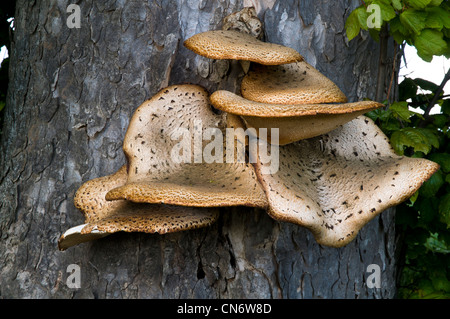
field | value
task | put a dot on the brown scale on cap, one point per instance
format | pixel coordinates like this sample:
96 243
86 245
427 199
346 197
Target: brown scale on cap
103 218
294 83
156 176
235 45
295 121
335 183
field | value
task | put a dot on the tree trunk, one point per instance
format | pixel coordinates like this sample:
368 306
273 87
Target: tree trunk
72 92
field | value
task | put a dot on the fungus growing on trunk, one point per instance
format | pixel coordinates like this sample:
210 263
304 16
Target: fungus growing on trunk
336 173
335 183
235 45
103 218
176 155
294 121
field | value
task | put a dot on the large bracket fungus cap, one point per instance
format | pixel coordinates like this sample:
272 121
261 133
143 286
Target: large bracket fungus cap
294 121
235 45
294 83
175 151
336 183
103 218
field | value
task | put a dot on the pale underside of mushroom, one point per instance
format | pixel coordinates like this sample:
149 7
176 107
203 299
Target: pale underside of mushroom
294 121
294 83
176 151
235 45
336 183
103 218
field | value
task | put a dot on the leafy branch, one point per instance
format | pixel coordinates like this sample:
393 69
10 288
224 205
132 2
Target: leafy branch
423 222
425 24
437 94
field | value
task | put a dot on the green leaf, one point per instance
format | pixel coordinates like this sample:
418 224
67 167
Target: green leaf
422 100
437 18
413 20
413 198
396 25
433 23
431 135
426 85
429 43
444 210
397 4
444 16
418 4
400 110
438 246
381 114
445 5
445 107
446 32
432 185
387 11
443 159
410 137
355 21
435 3
407 89
446 52
375 34
439 280
439 120
392 125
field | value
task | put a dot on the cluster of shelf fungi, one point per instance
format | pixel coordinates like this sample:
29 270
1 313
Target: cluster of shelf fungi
335 168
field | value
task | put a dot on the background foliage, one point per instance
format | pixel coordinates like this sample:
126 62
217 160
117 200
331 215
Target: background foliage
424 24
418 125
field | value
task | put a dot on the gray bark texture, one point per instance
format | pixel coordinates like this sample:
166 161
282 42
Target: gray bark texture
71 95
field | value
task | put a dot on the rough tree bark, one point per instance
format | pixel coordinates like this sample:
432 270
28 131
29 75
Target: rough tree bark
71 96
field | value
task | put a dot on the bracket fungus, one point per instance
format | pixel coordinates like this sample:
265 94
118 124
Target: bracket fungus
170 155
336 170
103 218
294 121
335 183
293 83
235 45
281 90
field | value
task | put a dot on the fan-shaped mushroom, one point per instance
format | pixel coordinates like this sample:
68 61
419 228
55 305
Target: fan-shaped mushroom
335 183
294 83
175 150
103 218
294 121
230 44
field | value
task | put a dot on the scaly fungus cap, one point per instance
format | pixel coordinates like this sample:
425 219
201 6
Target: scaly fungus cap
103 218
295 121
335 183
294 83
235 45
165 145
